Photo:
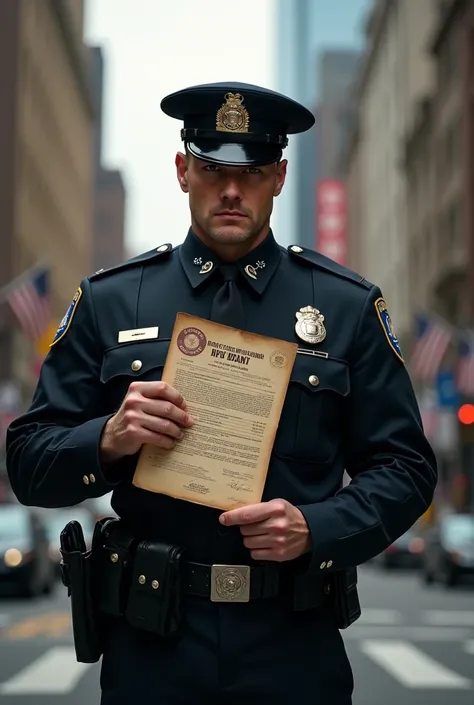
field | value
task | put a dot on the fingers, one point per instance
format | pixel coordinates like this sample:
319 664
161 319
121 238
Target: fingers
251 514
166 410
159 440
160 390
161 426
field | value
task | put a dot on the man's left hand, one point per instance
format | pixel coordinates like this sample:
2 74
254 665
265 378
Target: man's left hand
272 531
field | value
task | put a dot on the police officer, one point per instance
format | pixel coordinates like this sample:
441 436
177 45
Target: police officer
349 406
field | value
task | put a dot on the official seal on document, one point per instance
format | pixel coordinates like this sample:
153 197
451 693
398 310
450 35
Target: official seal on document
191 341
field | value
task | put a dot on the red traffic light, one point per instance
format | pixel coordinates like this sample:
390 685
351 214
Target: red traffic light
466 414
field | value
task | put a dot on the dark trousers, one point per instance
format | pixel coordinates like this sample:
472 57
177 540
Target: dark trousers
251 653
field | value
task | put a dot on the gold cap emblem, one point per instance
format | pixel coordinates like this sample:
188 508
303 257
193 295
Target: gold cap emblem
310 325
232 116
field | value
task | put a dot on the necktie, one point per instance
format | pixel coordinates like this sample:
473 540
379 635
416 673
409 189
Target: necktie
227 307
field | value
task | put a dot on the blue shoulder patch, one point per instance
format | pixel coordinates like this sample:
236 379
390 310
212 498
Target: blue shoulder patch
386 323
66 322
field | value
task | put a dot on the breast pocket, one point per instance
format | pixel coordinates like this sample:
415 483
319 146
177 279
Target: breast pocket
312 420
126 363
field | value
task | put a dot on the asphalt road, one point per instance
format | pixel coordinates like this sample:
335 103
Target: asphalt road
413 645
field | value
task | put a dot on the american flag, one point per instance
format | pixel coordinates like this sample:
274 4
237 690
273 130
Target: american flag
465 370
29 300
433 337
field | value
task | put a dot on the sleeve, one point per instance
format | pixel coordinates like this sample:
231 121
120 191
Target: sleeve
391 464
52 451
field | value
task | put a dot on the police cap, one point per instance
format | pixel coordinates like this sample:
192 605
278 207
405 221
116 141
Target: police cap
236 123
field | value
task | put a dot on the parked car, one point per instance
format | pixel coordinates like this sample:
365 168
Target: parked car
449 550
405 552
56 520
25 565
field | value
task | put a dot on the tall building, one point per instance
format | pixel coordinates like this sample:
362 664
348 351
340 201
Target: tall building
109 189
305 27
46 120
46 165
395 71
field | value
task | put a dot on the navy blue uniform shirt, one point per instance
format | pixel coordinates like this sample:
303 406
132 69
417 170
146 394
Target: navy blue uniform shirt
349 406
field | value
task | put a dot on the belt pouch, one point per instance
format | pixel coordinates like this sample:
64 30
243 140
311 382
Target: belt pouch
346 605
115 565
155 601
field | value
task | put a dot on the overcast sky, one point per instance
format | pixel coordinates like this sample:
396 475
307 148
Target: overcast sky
150 52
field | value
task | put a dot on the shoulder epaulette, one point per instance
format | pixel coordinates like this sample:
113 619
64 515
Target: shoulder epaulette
139 259
323 262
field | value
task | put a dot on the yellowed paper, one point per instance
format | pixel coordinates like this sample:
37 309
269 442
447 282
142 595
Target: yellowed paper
234 384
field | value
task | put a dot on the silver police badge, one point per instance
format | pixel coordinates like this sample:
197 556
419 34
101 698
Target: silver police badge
310 325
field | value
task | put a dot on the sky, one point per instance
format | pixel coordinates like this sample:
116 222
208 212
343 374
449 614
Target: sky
154 47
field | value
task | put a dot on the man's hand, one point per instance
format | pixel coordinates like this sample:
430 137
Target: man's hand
152 412
273 531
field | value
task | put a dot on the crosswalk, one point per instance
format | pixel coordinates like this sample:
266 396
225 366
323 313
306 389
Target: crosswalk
56 671
433 653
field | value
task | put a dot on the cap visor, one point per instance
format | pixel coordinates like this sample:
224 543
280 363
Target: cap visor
233 154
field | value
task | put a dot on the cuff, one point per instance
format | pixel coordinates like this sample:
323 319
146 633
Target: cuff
326 531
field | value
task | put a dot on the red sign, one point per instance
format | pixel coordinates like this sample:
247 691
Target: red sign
332 220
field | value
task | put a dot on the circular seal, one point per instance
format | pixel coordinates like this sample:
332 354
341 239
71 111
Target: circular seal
230 584
191 341
278 358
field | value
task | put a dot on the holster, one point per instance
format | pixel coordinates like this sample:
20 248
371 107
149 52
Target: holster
78 575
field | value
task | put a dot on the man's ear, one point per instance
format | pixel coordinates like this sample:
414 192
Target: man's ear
281 176
181 162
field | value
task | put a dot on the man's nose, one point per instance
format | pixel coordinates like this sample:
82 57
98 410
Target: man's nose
231 190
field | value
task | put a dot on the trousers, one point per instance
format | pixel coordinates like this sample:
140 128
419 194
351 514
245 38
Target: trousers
253 653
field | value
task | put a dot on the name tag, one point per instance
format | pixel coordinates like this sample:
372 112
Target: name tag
127 336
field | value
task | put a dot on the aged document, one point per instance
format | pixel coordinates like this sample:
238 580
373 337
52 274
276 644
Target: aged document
234 384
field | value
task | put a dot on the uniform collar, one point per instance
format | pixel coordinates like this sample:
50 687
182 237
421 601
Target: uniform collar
257 267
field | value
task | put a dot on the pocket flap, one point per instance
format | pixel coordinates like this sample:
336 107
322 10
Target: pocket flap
134 359
318 374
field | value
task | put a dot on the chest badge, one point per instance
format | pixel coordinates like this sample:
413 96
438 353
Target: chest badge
310 325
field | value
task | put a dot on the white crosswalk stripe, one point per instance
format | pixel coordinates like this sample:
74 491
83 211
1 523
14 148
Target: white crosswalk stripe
57 672
449 618
54 673
412 667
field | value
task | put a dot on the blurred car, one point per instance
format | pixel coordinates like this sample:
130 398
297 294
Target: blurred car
25 565
56 520
405 552
449 550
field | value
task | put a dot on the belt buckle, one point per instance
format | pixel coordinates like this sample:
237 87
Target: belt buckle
230 583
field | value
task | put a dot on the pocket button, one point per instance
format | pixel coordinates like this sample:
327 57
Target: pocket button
313 380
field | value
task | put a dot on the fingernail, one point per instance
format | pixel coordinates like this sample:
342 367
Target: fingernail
190 419
181 435
222 519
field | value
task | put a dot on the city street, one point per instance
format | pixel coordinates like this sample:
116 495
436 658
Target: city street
412 645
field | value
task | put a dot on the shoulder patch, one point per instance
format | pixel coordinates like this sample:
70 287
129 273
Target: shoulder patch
139 259
66 322
387 325
329 265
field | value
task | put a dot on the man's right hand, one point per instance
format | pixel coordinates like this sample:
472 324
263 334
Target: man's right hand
152 412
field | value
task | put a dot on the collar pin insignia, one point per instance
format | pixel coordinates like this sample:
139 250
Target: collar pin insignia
206 268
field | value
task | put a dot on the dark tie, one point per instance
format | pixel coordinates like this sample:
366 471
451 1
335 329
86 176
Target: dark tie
227 307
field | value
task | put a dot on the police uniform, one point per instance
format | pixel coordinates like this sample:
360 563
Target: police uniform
349 406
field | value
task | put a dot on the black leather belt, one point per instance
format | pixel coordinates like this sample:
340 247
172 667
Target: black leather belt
232 583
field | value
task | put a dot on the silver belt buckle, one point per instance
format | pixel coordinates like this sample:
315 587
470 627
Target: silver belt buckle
230 583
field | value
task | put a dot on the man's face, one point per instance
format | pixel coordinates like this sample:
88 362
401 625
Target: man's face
229 205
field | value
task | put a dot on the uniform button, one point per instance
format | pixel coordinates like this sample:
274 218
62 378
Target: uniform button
85 480
329 564
296 248
313 380
136 365
323 565
142 580
92 478
162 248
155 585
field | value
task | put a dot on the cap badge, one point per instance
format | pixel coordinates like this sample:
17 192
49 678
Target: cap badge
310 326
232 116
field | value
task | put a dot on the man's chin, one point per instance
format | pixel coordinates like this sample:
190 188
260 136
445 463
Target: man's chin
231 232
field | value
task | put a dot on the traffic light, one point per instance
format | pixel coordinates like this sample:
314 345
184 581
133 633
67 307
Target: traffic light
466 423
466 414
